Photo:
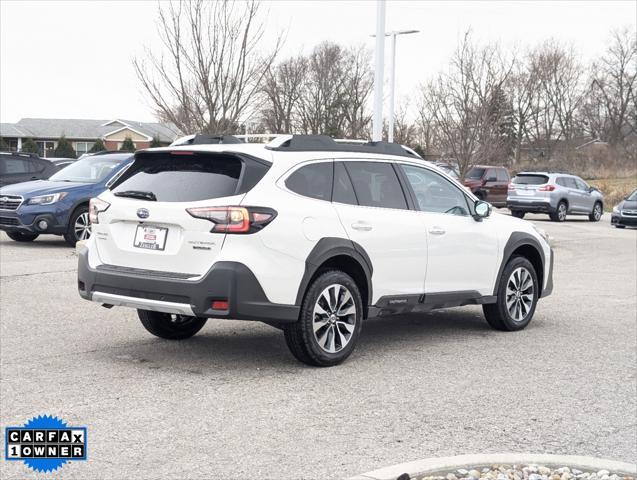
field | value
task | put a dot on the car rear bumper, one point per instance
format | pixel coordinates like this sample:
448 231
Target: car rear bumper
618 219
158 291
530 206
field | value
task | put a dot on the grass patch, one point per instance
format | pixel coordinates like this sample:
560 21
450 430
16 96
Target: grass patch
614 189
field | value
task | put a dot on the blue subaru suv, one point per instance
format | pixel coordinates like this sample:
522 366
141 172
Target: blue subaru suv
59 205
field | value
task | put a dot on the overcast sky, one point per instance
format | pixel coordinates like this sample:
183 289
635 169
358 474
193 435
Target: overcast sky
73 59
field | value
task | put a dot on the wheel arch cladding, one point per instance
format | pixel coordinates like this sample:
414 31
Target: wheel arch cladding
524 245
339 254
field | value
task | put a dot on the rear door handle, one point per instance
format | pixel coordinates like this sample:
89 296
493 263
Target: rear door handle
362 226
437 231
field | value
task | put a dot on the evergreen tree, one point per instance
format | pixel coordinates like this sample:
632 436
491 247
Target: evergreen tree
155 143
64 149
98 146
29 146
127 145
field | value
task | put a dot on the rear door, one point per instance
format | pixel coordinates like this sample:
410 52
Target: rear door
491 186
573 195
162 235
373 209
502 182
586 198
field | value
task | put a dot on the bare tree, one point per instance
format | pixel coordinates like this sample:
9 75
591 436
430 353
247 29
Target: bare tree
211 69
283 89
320 106
426 128
610 106
359 82
522 90
556 75
462 102
405 131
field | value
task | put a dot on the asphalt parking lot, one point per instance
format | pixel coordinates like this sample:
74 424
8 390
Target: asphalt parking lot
233 403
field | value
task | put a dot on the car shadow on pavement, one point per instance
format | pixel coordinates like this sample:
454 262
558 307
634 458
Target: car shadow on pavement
37 243
262 347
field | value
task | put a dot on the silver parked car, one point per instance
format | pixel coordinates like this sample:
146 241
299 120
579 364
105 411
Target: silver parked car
557 194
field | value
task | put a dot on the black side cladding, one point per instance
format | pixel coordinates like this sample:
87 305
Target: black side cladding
520 239
330 247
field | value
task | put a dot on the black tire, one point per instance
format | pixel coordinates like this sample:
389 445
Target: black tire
517 213
169 326
559 215
596 214
72 235
300 337
498 314
620 226
22 237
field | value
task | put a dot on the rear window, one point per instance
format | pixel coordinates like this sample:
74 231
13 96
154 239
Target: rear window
182 178
530 179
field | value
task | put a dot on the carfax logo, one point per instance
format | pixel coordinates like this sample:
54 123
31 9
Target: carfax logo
45 443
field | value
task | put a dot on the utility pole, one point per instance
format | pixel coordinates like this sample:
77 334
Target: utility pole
377 120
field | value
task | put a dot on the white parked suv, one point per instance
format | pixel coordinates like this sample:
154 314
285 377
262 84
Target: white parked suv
306 234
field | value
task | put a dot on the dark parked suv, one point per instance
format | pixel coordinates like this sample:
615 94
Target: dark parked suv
488 183
16 167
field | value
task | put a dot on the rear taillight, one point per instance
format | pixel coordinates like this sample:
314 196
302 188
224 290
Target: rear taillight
234 219
511 186
546 188
95 206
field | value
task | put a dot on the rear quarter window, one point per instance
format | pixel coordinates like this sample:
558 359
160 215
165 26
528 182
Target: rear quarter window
314 181
15 165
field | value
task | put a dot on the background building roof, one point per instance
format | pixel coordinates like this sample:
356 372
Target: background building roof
85 129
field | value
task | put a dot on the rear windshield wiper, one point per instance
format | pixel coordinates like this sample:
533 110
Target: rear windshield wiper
137 194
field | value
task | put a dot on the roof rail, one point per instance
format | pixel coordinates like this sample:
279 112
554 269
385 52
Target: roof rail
323 143
206 139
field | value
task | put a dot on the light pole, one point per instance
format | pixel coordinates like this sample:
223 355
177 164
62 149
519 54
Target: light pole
392 78
377 121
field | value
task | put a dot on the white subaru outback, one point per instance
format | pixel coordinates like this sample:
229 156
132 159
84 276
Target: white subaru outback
305 234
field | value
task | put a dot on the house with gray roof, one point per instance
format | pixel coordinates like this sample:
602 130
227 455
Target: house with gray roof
84 133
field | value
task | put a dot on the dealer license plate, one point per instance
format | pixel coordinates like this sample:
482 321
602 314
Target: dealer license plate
150 237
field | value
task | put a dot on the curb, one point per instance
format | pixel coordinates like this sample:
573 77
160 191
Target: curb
431 466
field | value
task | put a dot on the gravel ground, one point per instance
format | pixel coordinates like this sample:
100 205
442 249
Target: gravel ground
521 472
232 402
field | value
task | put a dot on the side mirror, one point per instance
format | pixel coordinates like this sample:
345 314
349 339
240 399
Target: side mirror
482 209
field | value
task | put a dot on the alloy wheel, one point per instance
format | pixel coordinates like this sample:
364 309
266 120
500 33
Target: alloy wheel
519 294
561 212
334 318
597 211
82 227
